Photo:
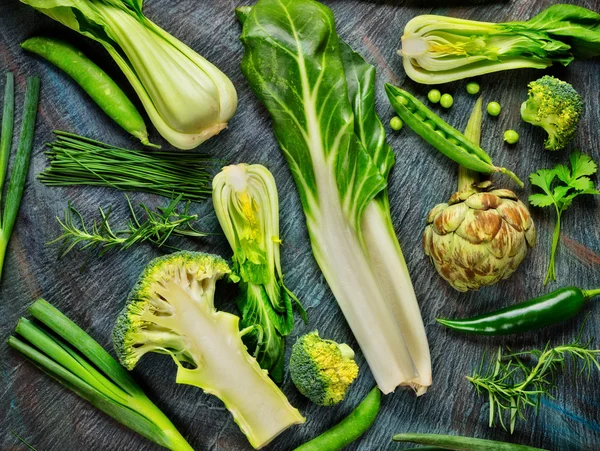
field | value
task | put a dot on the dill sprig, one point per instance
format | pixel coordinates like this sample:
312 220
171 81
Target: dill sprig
156 228
513 386
76 160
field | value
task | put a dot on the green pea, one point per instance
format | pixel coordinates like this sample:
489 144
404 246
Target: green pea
473 87
430 124
421 116
434 96
446 101
396 123
441 133
511 136
453 141
494 108
402 100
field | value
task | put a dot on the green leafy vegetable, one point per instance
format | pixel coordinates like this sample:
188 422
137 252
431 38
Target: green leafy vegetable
171 311
18 177
561 186
75 160
247 207
512 385
157 228
186 97
73 358
438 49
321 98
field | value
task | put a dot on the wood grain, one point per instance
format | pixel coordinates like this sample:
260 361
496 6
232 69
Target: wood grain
53 419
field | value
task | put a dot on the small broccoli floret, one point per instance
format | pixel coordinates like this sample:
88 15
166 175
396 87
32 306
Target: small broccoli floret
322 370
555 106
171 310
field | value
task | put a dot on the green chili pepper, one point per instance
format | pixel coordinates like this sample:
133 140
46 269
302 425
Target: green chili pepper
349 429
458 443
449 141
551 308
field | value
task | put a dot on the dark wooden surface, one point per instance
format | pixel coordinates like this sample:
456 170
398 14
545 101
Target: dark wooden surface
53 419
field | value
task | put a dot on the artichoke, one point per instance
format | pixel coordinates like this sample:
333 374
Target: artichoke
482 234
479 237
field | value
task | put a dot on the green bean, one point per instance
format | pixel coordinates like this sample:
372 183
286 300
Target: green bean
93 80
458 443
349 429
464 152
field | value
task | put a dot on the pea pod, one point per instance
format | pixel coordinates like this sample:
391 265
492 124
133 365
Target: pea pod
459 443
551 308
350 428
441 135
93 80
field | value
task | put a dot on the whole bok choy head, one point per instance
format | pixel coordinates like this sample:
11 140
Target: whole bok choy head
171 311
247 207
186 97
439 49
320 95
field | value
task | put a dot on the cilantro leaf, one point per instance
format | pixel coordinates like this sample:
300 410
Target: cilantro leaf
561 186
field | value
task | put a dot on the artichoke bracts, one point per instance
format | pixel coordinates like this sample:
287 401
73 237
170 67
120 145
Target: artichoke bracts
482 234
479 237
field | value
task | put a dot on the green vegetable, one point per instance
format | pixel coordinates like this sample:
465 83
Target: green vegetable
75 160
171 311
18 176
552 308
570 183
247 207
350 428
77 361
481 234
450 141
186 97
157 228
494 109
335 146
446 101
459 443
555 106
93 80
438 49
322 370
22 440
511 136
434 96
396 123
473 88
511 385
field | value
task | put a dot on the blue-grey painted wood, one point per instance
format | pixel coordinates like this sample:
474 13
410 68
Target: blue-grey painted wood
53 419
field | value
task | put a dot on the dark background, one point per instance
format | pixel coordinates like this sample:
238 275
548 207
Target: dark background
53 419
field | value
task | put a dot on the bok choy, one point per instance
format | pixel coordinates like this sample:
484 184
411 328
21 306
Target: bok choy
320 96
186 97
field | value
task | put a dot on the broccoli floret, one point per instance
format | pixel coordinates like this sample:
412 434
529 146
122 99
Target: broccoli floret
171 310
322 370
555 106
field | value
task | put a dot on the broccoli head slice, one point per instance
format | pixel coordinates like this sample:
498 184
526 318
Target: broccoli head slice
555 106
322 370
171 310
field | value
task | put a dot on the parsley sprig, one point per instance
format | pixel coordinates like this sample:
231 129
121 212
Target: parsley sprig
561 186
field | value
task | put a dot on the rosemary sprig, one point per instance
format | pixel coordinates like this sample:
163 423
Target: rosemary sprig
512 386
156 228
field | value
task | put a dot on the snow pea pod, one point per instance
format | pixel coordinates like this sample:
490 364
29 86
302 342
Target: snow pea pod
441 135
94 81
551 308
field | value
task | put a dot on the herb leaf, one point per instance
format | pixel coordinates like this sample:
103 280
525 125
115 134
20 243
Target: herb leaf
571 183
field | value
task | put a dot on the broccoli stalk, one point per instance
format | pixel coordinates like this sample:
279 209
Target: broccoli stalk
171 310
322 370
555 106
79 363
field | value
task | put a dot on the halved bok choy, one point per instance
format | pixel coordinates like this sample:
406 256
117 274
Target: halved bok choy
320 96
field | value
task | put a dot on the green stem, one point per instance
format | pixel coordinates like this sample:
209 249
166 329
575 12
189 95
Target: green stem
589 294
466 178
8 122
551 274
